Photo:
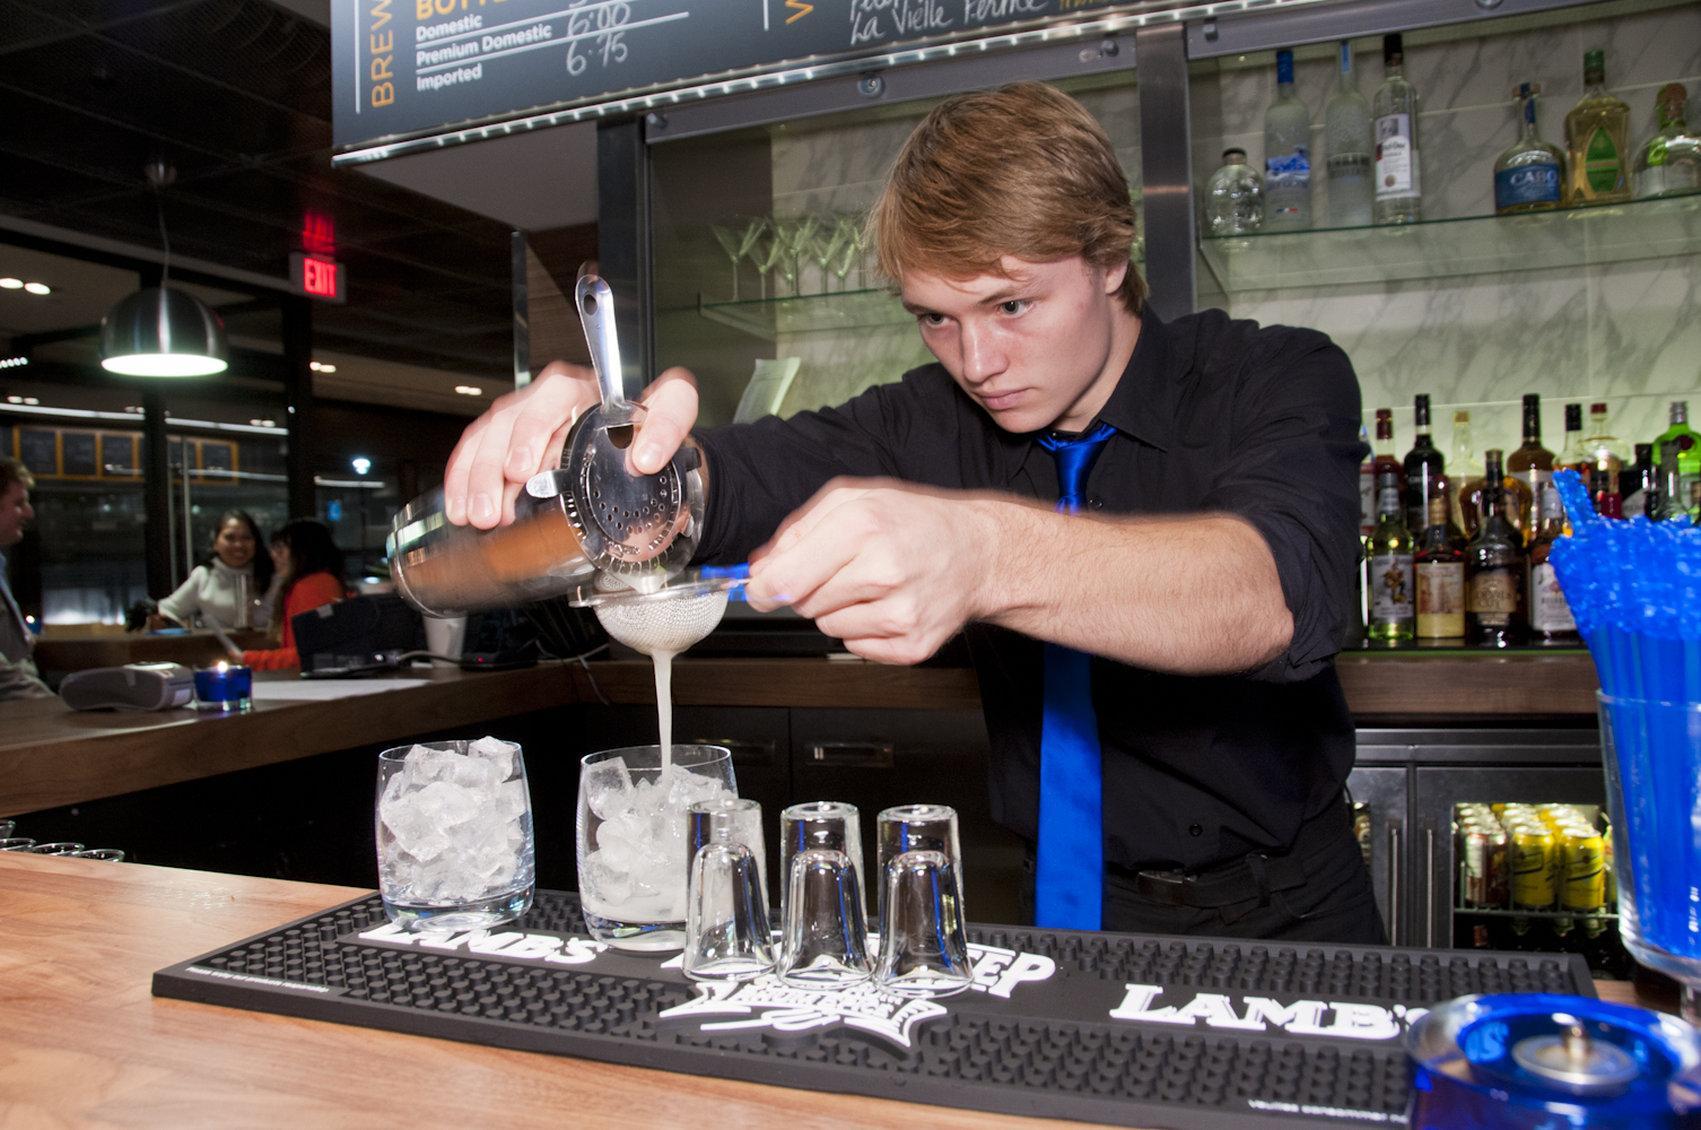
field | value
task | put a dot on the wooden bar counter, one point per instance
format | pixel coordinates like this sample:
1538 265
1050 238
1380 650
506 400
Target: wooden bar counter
85 1044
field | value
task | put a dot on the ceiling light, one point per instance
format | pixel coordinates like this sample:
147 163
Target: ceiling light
38 288
136 408
263 423
10 283
31 400
361 464
469 390
314 365
14 400
162 332
327 368
13 362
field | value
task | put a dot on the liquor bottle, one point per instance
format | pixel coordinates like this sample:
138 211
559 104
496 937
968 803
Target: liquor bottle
1462 486
1346 134
1366 489
1424 468
1600 447
1550 616
1395 112
1529 175
1384 458
1495 606
1603 485
1532 464
1688 446
1287 155
1517 504
1669 163
1571 455
1673 501
1597 141
1234 198
1392 613
1643 476
1438 568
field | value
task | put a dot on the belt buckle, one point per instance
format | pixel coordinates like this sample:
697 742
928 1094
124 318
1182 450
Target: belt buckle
1166 886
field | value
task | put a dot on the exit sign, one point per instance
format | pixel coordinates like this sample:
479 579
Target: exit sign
317 276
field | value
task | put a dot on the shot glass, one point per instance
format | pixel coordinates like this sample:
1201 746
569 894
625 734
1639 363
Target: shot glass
829 824
7 828
924 947
726 910
454 830
59 847
631 839
824 935
16 843
110 855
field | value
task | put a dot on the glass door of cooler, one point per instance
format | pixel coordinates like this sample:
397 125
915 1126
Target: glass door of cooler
1518 858
1379 798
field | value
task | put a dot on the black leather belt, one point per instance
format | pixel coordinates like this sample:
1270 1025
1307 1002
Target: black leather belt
1252 877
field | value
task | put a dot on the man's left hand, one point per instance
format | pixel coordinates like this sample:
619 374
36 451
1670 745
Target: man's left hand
892 569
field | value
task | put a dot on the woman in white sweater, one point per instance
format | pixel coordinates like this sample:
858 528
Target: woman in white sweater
228 589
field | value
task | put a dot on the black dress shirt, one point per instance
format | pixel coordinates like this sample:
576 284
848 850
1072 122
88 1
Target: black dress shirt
1211 414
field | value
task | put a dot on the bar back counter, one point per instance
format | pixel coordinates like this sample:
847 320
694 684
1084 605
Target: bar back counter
286 791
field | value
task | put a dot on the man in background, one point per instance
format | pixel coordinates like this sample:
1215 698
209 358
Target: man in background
18 676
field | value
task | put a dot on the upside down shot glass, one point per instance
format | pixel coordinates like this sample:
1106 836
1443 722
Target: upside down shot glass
830 824
823 926
924 946
726 908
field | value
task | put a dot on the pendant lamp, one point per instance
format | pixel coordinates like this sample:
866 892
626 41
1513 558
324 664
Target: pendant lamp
161 331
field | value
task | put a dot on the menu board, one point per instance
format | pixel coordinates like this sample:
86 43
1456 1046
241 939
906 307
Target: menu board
410 67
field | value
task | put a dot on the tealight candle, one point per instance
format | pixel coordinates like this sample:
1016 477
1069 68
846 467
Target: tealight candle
224 687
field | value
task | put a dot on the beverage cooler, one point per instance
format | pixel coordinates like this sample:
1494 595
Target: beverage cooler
1499 840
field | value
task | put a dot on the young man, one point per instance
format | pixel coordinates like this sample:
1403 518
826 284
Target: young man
1155 670
18 676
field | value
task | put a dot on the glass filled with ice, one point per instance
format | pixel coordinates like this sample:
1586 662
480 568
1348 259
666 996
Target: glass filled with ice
454 823
631 836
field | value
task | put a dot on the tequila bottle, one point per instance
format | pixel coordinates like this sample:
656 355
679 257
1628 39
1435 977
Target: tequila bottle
1395 112
1347 136
1529 176
1550 616
1287 154
1234 198
1597 133
1669 163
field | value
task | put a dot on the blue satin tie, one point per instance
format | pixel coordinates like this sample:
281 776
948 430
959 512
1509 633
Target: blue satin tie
1069 877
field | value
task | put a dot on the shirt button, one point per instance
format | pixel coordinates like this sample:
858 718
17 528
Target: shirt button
1094 502
1195 830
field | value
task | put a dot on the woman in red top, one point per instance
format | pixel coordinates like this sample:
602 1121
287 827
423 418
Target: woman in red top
311 568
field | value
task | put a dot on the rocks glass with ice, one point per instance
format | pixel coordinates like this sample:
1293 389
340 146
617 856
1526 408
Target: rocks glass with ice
632 850
454 824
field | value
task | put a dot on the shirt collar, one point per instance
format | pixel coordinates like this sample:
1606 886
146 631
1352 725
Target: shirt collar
1139 405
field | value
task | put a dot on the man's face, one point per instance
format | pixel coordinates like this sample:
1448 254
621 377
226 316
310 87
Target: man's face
1037 349
15 514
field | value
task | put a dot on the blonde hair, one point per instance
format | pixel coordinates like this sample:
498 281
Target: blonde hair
1023 171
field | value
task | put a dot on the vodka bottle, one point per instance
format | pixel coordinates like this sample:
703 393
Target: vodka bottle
1395 109
1669 163
1234 198
1348 148
1287 155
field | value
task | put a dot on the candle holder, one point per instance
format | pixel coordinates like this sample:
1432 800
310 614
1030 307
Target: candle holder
224 688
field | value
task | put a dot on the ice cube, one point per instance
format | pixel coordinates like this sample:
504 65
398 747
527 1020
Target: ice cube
608 788
512 799
503 755
423 765
603 883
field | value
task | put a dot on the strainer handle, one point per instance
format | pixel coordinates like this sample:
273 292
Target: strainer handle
596 313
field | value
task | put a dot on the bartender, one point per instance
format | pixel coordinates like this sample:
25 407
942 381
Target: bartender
1145 529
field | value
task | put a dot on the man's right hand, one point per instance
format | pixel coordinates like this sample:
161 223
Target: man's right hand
523 433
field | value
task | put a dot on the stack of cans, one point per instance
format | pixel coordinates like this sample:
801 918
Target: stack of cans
1534 857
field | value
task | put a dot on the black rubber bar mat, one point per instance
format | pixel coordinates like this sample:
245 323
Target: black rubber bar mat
1119 1028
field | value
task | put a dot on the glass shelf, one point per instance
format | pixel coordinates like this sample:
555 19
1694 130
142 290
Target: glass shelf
1535 915
835 310
1444 249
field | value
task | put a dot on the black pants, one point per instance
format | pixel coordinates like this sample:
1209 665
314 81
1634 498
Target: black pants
1334 903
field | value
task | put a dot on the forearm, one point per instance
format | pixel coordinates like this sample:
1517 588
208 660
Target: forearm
1196 594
